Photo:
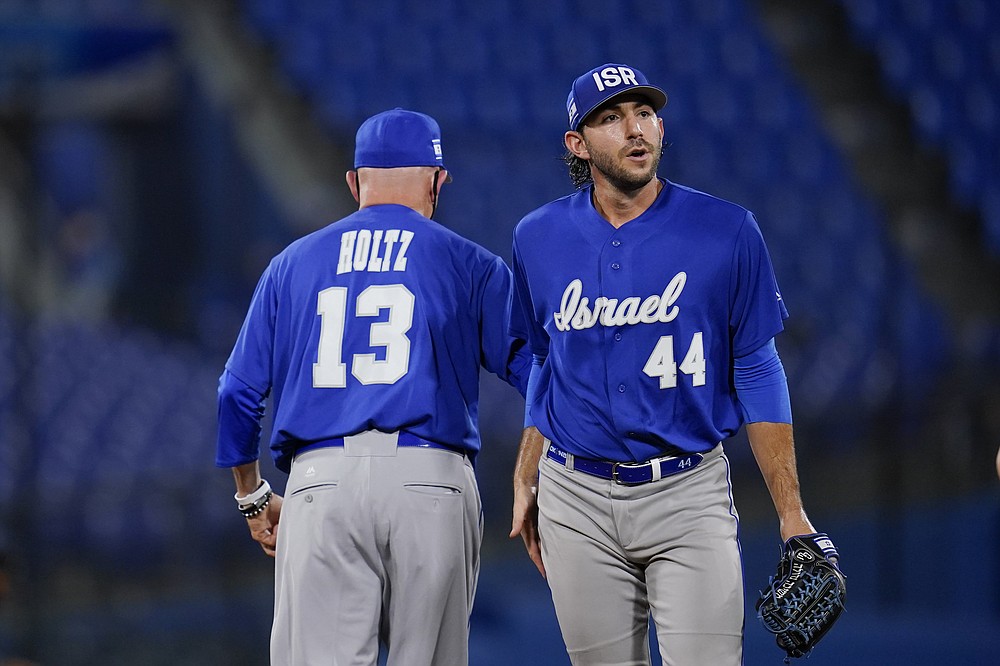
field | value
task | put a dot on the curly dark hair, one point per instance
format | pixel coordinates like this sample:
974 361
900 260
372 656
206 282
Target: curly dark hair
579 170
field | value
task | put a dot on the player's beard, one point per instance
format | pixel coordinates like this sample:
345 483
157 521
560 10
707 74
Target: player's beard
617 175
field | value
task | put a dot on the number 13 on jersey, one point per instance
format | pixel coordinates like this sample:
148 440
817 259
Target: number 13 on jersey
330 370
661 362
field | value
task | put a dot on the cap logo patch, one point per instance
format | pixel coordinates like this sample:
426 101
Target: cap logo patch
437 148
611 77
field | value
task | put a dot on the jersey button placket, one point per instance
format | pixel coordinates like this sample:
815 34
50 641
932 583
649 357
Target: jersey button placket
615 265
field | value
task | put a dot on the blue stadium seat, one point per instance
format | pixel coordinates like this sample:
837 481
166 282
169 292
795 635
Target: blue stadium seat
522 53
268 18
720 104
451 103
303 55
544 105
743 54
439 16
575 47
694 157
496 104
951 56
919 15
622 46
902 60
943 58
870 17
465 53
967 158
350 51
407 51
716 15
527 13
981 109
688 54
374 14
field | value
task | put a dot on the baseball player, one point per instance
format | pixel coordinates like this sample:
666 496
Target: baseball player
369 335
650 309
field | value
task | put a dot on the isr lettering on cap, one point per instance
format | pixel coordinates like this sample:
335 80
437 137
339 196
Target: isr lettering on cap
601 84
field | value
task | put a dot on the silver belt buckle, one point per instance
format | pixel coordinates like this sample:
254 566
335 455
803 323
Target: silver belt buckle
618 480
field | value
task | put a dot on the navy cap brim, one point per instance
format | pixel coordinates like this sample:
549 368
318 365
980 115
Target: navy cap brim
657 97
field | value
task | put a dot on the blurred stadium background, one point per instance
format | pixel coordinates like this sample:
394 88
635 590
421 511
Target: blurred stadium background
154 156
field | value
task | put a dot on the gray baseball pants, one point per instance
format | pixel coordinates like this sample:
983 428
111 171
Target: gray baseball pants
614 555
376 543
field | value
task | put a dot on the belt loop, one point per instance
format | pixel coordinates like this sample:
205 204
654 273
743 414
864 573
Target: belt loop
570 464
654 465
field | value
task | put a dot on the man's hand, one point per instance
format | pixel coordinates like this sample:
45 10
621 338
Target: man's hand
264 526
525 522
525 514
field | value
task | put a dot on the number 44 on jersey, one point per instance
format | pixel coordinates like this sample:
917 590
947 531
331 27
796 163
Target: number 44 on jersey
661 364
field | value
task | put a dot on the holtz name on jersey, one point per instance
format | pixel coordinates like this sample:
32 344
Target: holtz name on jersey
374 251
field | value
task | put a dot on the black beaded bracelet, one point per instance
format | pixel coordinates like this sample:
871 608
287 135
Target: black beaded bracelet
257 507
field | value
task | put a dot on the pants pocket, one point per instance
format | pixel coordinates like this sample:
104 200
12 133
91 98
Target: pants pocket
436 489
316 487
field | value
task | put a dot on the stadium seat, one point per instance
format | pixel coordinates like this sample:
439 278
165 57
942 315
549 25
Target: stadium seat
943 59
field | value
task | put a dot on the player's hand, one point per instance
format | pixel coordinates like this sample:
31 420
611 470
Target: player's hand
525 522
264 526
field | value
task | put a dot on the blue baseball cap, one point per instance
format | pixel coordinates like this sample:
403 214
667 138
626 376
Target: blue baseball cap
398 138
601 84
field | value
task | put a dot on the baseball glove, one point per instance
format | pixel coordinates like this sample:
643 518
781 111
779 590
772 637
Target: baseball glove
806 596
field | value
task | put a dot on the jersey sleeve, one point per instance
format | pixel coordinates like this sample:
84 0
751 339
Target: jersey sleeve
503 354
757 311
252 354
523 323
240 411
761 386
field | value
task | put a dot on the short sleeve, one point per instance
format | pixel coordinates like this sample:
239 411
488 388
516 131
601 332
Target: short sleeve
501 352
757 311
253 352
523 323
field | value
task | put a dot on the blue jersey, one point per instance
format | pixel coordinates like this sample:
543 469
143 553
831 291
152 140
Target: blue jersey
379 321
639 325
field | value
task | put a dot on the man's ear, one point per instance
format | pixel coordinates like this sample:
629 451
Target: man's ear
352 184
576 145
